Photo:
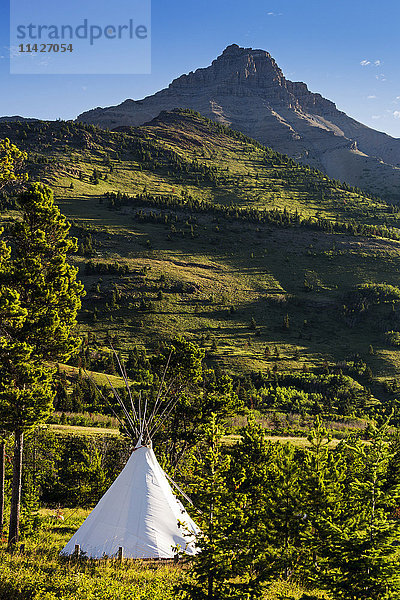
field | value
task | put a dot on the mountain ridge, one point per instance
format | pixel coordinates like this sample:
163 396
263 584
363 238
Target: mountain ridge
246 90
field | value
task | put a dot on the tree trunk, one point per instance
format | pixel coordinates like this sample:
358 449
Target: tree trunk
2 479
13 534
210 587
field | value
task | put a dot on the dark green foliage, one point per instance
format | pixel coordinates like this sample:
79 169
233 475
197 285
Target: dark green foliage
212 569
359 301
70 470
39 301
326 516
309 392
274 217
101 268
362 548
40 274
199 393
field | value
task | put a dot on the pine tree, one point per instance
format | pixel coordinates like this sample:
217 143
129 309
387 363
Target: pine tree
11 164
265 481
363 553
210 570
322 493
39 300
46 283
285 515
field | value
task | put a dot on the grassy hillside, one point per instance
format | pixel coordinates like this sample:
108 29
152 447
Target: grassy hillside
185 226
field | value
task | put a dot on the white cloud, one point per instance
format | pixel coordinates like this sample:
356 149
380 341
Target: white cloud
376 117
372 97
376 63
396 114
273 14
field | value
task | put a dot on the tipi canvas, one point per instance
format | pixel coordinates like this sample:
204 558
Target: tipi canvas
138 513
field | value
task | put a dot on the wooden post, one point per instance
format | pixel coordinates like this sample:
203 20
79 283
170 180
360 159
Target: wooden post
77 550
120 553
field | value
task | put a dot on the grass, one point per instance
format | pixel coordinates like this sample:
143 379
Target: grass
78 429
38 573
98 378
299 442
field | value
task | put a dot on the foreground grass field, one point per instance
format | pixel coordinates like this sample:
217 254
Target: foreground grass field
39 574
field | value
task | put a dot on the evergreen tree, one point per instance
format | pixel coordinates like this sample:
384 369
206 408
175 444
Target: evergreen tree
11 164
363 554
251 536
47 285
322 493
198 393
39 300
285 515
264 485
210 573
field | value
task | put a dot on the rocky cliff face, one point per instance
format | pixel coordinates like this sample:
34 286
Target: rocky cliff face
246 89
243 72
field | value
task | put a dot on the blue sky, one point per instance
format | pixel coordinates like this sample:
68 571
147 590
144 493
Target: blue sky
346 50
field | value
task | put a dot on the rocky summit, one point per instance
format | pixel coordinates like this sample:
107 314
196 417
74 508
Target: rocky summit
246 89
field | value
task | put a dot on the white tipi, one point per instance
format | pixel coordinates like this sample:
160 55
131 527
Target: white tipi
139 512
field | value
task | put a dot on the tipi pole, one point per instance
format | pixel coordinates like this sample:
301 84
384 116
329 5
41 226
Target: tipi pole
170 406
126 413
160 389
110 405
125 377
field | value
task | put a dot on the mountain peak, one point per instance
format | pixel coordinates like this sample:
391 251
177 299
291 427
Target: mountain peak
235 50
245 88
232 49
236 68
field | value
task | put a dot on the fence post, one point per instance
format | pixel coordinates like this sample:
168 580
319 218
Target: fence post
120 553
77 550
